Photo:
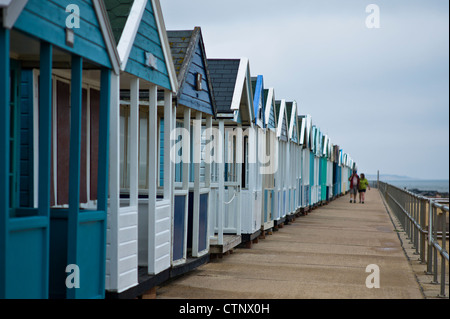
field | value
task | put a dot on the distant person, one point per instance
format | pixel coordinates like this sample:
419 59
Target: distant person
363 185
354 184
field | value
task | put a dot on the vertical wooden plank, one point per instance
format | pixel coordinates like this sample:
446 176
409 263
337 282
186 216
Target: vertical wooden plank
186 139
4 156
152 175
197 159
44 156
221 179
239 159
207 161
167 145
74 165
45 120
103 163
114 180
134 140
186 148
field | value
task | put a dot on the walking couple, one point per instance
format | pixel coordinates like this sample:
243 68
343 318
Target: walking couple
358 185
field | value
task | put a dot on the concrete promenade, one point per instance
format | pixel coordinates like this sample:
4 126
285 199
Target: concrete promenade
323 255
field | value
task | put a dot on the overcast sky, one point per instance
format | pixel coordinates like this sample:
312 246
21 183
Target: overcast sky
381 93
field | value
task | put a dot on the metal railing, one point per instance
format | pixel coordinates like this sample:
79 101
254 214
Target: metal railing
425 221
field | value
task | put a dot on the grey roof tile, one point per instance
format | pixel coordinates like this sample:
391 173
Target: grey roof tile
223 74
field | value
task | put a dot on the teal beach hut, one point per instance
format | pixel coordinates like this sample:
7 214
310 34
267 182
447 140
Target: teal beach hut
56 64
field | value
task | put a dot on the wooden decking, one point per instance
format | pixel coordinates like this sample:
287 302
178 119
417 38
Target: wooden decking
229 243
322 255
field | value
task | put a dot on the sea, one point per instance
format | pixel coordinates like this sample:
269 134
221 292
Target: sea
441 186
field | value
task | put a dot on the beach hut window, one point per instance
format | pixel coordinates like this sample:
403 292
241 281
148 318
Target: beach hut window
59 186
179 163
144 137
245 166
214 165
143 150
198 81
230 156
124 153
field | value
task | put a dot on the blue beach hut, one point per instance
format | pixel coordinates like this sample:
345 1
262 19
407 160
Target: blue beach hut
141 184
56 63
195 111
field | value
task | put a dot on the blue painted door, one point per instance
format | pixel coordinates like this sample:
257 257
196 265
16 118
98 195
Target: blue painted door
203 222
25 270
179 227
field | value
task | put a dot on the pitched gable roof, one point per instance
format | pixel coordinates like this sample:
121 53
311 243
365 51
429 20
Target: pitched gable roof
269 109
258 100
183 45
46 20
232 87
126 17
223 74
282 129
301 130
291 112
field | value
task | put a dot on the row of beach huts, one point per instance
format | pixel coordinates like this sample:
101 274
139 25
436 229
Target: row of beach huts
128 157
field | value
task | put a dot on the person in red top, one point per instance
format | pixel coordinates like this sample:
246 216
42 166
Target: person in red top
354 185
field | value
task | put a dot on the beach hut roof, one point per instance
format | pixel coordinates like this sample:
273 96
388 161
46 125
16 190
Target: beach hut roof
269 109
189 57
291 113
232 88
141 21
282 129
258 100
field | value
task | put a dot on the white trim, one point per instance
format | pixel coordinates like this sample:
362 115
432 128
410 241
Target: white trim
293 118
281 117
239 85
165 45
134 136
302 134
114 184
11 11
129 32
269 105
5 3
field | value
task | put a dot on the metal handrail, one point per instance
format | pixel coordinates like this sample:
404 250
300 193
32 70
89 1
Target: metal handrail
421 225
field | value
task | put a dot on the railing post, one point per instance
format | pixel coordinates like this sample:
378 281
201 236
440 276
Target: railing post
435 253
422 234
416 218
444 248
430 234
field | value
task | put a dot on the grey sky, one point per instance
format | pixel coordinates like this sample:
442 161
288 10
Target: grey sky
381 94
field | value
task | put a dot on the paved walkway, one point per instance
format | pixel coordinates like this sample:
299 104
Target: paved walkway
323 255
